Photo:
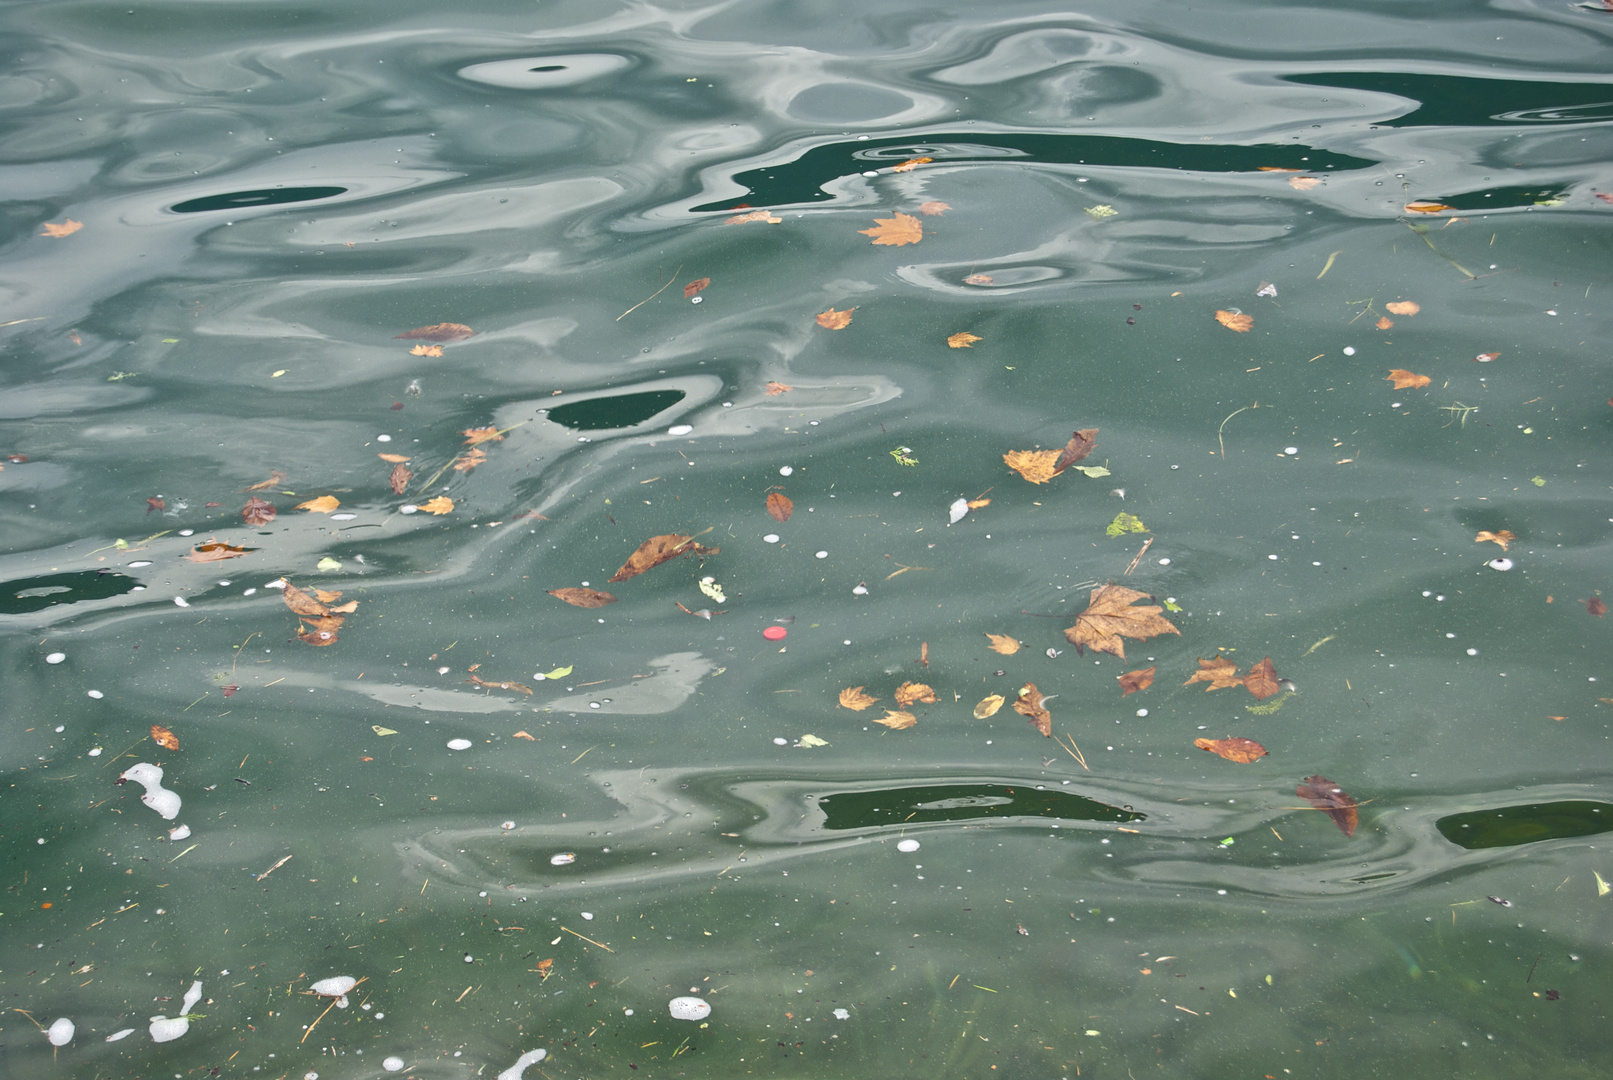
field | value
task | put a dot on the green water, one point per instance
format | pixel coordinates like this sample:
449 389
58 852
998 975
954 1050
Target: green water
270 194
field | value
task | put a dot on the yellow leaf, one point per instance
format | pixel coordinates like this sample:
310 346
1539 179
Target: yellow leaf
1002 643
854 699
963 340
810 741
896 231
426 350
66 228
1426 207
754 215
1037 466
910 164
1403 307
1602 887
910 692
976 504
394 458
1405 380
379 730
164 738
322 505
442 504
1235 320
988 706
835 320
1504 538
897 721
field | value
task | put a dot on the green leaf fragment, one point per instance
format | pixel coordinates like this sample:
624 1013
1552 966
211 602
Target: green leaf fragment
558 673
1102 211
1172 605
1538 481
1125 523
1094 471
812 740
170 341
328 564
379 730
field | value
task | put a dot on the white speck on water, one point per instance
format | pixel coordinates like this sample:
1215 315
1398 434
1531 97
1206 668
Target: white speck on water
907 845
408 508
179 832
180 601
1273 558
589 915
1472 652
61 1032
1290 450
55 658
957 511
781 742
842 1014
1164 562
1499 564
1142 712
187 532
383 438
95 751
343 517
697 299
392 1064
459 744
118 1036
786 470
136 565
771 538
820 554
680 429
565 858
1349 350
507 825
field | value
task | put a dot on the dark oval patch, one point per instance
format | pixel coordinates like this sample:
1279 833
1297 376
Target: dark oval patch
1510 826
621 411
245 200
24 595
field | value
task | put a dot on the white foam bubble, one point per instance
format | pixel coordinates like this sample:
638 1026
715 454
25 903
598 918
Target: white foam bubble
459 744
55 658
680 429
907 845
531 1057
335 986
392 1064
565 858
957 511
165 1030
159 798
689 1008
61 1032
119 1036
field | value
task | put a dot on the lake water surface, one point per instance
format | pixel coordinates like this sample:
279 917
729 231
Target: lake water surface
1328 281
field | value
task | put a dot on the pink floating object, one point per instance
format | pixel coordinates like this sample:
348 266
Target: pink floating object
775 633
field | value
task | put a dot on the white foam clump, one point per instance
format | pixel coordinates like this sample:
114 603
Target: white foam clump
907 845
957 511
179 832
119 1036
61 1032
335 986
159 798
393 1064
459 744
165 1029
689 1008
531 1057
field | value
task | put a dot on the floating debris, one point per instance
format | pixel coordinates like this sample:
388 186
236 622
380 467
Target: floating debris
60 1032
689 1008
531 1057
159 798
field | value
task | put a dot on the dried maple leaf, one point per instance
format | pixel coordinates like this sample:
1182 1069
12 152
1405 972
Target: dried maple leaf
1504 538
933 208
963 340
1243 751
443 331
442 504
1220 673
1110 616
1595 606
896 231
1327 796
657 550
910 164
1080 445
303 603
520 688
1304 183
979 279
695 286
1384 323
400 477
1421 207
1403 307
1235 320
1405 380
1002 643
774 389
214 551
910 692
322 505
164 738
473 436
155 502
779 506
1037 466
321 631
834 320
897 721
853 698
1133 681
468 461
583 598
1262 680
426 350
754 215
1028 703
59 230
257 511
327 596
988 706
276 478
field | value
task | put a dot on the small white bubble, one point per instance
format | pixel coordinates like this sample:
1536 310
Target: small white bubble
459 744
786 470
180 601
55 658
383 438
697 299
141 562
771 538
907 845
1142 712
507 825
1450 635
565 858
589 915
1472 652
393 1064
1290 450
680 429
1273 558
1499 564
1164 562
821 554
187 532
1349 350
781 742
408 508
95 752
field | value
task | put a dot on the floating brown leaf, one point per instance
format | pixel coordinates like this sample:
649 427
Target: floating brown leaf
583 598
1403 307
393 458
1243 751
469 460
214 551
910 692
426 350
527 735
1037 466
442 504
57 230
1235 320
1262 680
1421 207
695 286
979 279
327 596
909 165
399 480
1133 681
933 208
896 231
1079 446
1384 323
853 698
520 688
443 331
1219 672
229 691
1327 796
276 478
322 505
774 389
988 706
1595 606
1028 703
657 550
1002 643
1504 538
834 320
474 436
321 631
897 721
164 738
779 506
963 340
155 502
754 215
257 511
1405 380
1109 617
303 603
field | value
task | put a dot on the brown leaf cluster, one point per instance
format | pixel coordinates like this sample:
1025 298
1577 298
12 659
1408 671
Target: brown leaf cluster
1504 538
1040 466
657 550
1110 616
319 622
257 512
1405 380
443 331
583 598
1243 751
1220 672
910 692
1332 800
1235 320
474 436
1028 703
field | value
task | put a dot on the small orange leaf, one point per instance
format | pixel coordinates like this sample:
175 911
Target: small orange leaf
754 215
835 320
583 598
933 208
963 340
896 231
779 506
1037 466
1002 643
481 435
442 504
1219 672
523 735
1243 751
695 286
1304 183
214 551
1235 320
853 698
1262 680
164 738
426 350
1504 538
910 692
976 504
897 721
443 331
1133 681
1384 323
65 228
911 163
978 279
392 457
322 505
1594 606
774 389
1403 307
1405 380
467 462
1421 207
399 479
